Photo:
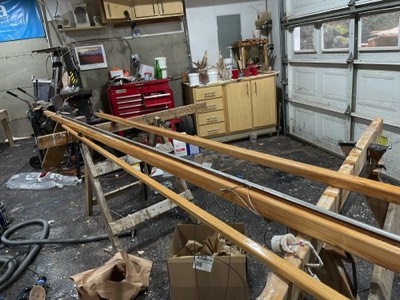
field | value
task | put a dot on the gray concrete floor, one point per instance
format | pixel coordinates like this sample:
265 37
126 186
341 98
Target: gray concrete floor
64 208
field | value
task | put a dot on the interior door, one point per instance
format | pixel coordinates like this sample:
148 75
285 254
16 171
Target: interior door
229 31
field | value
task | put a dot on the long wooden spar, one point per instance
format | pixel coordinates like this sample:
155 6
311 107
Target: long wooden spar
298 277
361 242
349 182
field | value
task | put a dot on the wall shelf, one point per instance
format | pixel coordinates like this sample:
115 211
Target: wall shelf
80 28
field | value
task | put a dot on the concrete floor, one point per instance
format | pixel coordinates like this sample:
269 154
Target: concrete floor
64 208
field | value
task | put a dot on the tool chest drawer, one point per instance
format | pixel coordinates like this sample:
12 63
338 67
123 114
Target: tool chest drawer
138 98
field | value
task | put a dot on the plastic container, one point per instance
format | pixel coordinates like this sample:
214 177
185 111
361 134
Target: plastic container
253 70
235 73
212 75
246 72
162 61
194 79
228 63
164 73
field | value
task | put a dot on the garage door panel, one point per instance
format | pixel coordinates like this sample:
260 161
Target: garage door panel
318 127
295 8
327 88
304 83
378 94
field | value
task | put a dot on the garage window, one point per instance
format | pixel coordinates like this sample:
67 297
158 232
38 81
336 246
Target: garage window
336 35
380 30
303 38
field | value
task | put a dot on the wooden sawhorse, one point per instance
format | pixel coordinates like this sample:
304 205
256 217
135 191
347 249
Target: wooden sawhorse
93 186
4 119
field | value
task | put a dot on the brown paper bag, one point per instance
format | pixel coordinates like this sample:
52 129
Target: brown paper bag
120 278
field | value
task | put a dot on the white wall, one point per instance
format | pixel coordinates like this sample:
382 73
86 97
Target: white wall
202 23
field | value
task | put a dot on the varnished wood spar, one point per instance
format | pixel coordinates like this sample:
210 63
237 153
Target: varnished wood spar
62 138
332 199
353 183
353 239
298 277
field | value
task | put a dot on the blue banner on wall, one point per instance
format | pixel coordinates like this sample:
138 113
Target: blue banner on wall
19 19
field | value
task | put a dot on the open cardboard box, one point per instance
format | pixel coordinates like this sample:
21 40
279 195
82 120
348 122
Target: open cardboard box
227 279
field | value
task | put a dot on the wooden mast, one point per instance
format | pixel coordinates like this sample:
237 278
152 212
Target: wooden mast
356 240
350 182
293 274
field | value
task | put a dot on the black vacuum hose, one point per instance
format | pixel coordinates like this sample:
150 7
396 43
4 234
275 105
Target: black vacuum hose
13 271
6 279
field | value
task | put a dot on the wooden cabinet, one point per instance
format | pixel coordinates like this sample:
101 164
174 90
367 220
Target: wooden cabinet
238 102
157 8
141 9
114 9
263 103
236 107
212 121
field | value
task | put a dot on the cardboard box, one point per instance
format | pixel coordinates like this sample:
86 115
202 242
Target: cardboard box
188 282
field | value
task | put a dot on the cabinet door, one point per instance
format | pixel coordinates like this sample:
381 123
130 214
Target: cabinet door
114 9
170 7
263 97
145 8
238 105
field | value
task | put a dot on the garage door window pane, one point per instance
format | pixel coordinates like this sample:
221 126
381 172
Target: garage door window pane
303 38
380 30
336 34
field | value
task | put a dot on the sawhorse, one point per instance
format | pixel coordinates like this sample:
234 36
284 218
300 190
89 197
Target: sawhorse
4 119
93 188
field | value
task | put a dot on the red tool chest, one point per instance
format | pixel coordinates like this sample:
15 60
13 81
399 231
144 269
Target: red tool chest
138 98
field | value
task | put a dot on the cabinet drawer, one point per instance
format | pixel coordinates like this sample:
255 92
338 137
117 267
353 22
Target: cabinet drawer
213 104
211 117
212 129
208 93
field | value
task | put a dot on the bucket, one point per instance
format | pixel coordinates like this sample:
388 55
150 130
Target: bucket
162 62
194 79
212 75
164 72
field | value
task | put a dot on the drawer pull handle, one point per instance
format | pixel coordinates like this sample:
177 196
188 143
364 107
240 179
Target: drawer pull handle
211 107
212 119
212 130
209 95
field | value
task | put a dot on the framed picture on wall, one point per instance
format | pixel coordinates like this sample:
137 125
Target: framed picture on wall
91 57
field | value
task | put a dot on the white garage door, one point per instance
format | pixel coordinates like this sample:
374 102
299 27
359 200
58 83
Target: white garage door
343 69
